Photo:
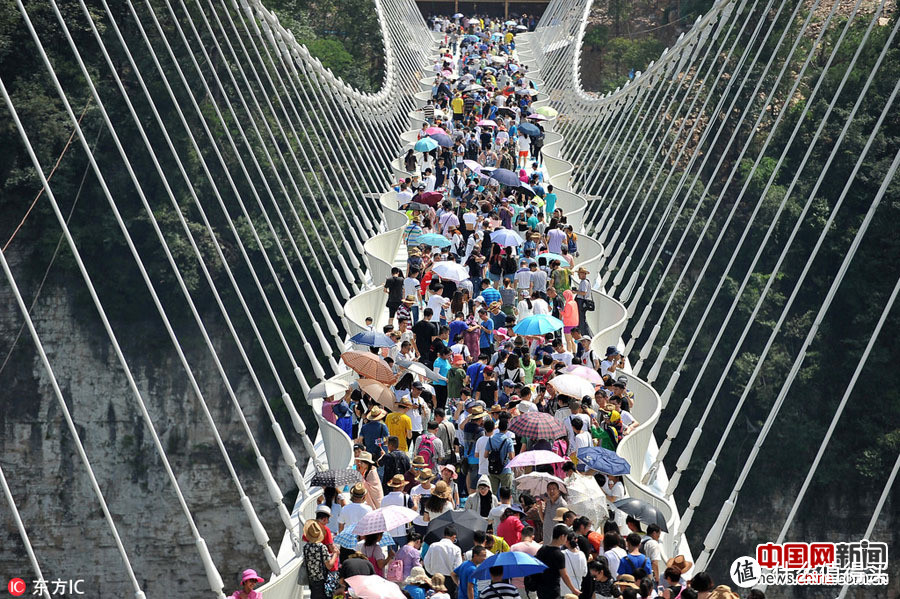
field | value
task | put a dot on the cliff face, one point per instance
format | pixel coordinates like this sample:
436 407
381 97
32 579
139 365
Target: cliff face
63 518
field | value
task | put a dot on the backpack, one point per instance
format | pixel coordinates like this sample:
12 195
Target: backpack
426 449
472 149
532 582
394 571
496 463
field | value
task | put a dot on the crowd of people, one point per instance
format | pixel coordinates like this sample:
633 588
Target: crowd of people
479 433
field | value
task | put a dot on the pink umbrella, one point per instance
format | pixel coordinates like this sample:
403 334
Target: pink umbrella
374 587
535 457
487 123
585 373
434 130
537 117
446 72
384 519
472 165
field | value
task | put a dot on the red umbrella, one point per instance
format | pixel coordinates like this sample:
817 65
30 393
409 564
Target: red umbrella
431 198
537 425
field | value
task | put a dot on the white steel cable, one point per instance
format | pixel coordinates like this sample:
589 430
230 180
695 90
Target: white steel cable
274 491
888 485
809 148
684 459
697 495
712 539
860 365
212 574
20 525
648 344
760 154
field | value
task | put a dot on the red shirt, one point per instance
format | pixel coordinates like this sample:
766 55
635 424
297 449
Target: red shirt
511 530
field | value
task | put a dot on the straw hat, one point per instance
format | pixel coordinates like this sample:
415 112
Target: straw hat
437 583
425 475
313 531
679 562
358 490
409 299
560 512
626 580
582 269
405 402
418 463
417 576
376 413
366 457
397 482
723 591
442 490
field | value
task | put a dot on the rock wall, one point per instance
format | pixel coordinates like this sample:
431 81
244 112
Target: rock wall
64 520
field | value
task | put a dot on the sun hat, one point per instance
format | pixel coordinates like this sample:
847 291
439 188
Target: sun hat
437 582
560 512
417 576
418 462
496 409
680 563
409 299
425 475
358 490
582 269
376 413
405 401
323 509
366 457
626 580
612 350
723 591
442 490
452 469
313 531
250 574
397 482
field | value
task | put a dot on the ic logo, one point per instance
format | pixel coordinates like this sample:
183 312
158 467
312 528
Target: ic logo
16 587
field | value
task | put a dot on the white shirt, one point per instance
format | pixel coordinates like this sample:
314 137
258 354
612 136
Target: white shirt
524 144
411 287
430 182
414 416
539 306
582 439
479 450
436 302
653 551
576 566
605 368
616 491
523 279
442 558
564 357
523 310
404 196
613 557
422 494
353 513
627 418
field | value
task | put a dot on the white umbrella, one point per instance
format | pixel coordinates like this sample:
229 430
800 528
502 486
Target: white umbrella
587 499
535 457
328 389
452 271
384 519
536 483
572 386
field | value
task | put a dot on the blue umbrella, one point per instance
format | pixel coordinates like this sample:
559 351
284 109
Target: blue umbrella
372 339
471 38
551 257
426 144
529 129
443 139
348 539
603 460
539 324
434 240
505 176
506 238
514 563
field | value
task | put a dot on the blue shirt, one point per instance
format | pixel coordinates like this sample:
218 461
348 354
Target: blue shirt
372 432
416 592
442 367
466 571
630 563
549 203
476 374
487 338
490 295
457 327
500 441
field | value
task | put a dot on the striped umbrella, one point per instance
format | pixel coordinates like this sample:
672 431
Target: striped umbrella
384 519
369 365
537 425
348 539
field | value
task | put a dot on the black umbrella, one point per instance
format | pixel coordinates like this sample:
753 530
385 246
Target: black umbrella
465 522
506 111
643 511
335 478
415 206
